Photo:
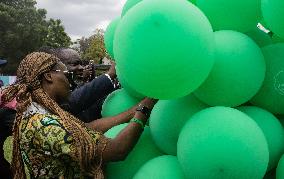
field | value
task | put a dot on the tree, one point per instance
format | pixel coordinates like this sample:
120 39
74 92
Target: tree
93 47
56 36
24 29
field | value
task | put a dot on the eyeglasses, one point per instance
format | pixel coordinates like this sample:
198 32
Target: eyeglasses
68 74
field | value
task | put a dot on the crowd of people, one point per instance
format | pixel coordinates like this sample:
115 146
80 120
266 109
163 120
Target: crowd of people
56 121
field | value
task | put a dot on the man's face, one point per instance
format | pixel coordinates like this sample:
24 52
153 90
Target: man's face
73 62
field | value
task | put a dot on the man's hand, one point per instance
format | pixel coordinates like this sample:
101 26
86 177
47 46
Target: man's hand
87 73
148 102
112 72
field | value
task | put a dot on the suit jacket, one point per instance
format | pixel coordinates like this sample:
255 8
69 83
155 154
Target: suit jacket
86 101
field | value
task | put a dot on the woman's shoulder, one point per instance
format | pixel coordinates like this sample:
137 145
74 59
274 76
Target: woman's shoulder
36 121
46 119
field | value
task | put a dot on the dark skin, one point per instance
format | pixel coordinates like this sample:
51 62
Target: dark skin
56 85
73 61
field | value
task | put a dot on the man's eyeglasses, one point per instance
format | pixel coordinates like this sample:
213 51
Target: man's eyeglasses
68 74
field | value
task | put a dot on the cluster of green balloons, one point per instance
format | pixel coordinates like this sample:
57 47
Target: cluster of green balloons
169 50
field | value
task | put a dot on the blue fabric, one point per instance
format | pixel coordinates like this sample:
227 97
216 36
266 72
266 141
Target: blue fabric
2 62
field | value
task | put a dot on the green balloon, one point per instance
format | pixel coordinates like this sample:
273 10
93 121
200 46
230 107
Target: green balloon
168 117
273 14
144 151
192 1
161 53
280 169
277 39
112 133
222 143
118 102
272 129
163 167
259 37
109 35
238 72
128 5
239 15
271 94
125 86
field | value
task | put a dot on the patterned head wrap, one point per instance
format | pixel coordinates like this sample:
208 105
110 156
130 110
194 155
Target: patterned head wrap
28 89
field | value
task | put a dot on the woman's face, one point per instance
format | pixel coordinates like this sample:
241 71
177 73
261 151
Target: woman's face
61 83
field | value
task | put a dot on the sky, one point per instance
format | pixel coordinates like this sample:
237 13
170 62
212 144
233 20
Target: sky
81 17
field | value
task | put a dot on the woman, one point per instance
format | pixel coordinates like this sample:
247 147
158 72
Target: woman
52 142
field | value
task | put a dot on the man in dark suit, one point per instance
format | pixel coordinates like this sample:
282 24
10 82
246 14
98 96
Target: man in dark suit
86 100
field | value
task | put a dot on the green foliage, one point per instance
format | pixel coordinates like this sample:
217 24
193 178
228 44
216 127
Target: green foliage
93 48
24 28
56 36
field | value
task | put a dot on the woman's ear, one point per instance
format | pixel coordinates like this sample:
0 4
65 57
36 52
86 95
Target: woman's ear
47 77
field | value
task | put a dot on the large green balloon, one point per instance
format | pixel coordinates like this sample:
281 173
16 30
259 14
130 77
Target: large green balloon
259 37
109 35
118 102
167 119
280 169
144 151
238 72
222 143
271 94
273 14
128 5
240 15
272 129
163 167
164 48
125 86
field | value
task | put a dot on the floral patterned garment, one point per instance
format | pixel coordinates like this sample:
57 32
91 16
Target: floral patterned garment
46 146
